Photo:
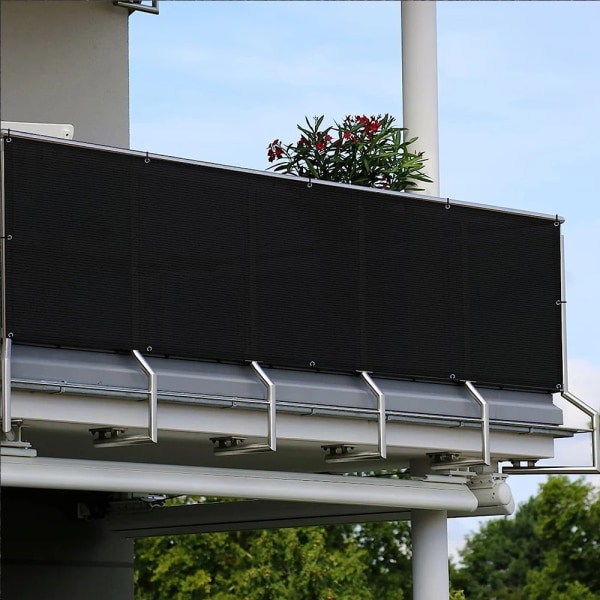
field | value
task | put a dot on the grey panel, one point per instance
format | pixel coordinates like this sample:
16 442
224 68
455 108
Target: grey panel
207 383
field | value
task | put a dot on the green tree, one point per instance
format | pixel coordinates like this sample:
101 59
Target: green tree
294 564
341 562
549 550
388 554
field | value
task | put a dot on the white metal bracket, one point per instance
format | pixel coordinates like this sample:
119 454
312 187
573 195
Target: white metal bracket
336 453
529 467
108 437
445 460
134 5
232 445
6 385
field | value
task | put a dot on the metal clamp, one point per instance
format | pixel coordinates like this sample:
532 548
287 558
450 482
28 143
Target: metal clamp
531 469
109 437
343 452
485 436
12 443
231 445
6 385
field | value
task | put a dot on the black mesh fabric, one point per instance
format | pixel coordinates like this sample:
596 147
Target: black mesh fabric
111 252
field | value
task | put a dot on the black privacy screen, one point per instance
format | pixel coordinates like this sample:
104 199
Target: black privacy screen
110 251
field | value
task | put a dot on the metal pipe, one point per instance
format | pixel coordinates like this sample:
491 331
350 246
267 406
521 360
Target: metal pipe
3 240
592 469
271 402
138 6
563 314
381 422
420 84
112 476
152 396
485 422
233 401
6 385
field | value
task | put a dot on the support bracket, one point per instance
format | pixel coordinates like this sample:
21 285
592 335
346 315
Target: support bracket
134 5
6 385
232 445
529 467
336 453
12 444
109 437
444 460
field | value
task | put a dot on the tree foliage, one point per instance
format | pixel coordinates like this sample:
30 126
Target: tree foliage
550 549
311 563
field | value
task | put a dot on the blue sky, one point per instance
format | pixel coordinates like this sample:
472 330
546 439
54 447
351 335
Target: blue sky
519 91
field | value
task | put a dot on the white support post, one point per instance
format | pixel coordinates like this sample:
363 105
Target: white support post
420 117
429 532
431 580
420 85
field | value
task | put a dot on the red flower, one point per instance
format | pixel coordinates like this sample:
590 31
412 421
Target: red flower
346 135
320 145
373 126
274 150
328 138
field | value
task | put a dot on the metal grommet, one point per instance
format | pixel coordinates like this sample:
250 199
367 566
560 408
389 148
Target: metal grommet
147 159
556 221
559 386
312 363
309 184
9 238
10 334
447 207
452 376
149 349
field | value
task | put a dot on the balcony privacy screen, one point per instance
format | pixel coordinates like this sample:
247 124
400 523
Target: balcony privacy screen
111 252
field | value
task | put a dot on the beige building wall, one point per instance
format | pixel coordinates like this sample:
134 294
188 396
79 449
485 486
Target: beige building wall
66 62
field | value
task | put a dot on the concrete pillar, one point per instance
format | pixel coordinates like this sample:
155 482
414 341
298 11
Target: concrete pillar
48 552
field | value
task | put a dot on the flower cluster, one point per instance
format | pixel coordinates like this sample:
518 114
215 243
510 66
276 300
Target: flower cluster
360 150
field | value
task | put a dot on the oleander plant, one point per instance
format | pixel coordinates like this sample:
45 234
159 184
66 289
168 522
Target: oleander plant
361 150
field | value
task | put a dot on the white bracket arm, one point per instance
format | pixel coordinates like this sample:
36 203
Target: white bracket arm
485 436
108 437
231 445
6 385
594 430
343 452
134 5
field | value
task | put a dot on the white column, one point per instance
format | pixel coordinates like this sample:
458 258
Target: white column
431 580
419 84
429 532
420 117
